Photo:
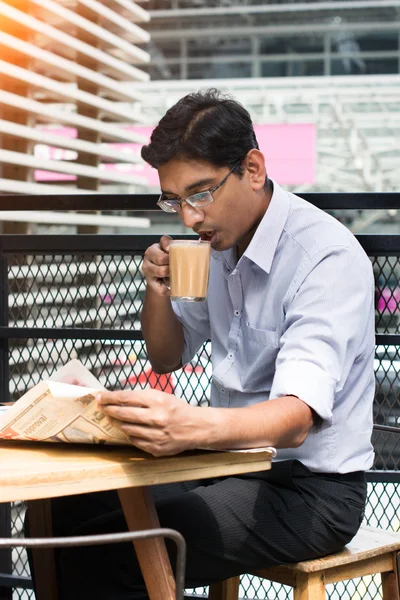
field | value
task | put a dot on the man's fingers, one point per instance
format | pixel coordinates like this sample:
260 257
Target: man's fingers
158 271
155 255
126 414
165 242
125 398
139 432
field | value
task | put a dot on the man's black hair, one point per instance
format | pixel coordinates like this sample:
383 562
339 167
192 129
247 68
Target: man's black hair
205 126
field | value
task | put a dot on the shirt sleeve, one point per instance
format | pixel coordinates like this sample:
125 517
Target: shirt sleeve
194 319
328 324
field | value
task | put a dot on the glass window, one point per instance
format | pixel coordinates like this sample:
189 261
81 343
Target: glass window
218 47
166 48
310 43
309 68
273 69
293 68
219 70
163 71
355 65
364 42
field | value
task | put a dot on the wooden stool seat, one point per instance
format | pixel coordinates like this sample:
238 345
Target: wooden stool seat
371 551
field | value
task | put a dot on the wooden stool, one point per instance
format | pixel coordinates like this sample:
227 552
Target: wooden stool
371 551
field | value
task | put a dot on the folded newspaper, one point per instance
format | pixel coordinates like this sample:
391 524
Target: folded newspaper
61 409
64 409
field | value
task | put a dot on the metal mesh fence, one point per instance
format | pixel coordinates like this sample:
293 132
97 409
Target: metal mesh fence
387 293
106 292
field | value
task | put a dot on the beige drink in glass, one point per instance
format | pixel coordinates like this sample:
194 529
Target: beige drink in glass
189 267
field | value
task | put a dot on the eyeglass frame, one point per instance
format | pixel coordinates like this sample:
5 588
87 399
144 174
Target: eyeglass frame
162 200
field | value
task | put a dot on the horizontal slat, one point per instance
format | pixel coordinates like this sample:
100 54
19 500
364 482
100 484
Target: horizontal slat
42 350
59 218
43 354
71 333
364 568
27 381
379 244
115 368
120 68
73 168
63 65
138 35
385 339
16 581
67 92
326 201
23 187
60 271
128 244
380 86
66 295
137 12
58 141
75 318
383 476
54 115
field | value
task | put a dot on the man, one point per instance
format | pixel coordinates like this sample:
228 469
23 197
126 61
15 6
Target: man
290 315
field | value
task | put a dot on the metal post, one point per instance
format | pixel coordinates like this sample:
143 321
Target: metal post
4 364
5 508
5 553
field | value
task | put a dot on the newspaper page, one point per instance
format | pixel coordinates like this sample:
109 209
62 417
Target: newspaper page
61 409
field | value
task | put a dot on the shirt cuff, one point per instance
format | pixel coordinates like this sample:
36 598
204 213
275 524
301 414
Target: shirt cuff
308 382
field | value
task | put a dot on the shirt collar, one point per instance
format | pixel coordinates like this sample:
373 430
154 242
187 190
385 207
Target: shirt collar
262 247
264 242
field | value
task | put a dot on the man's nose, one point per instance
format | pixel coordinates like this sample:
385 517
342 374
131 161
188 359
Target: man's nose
190 215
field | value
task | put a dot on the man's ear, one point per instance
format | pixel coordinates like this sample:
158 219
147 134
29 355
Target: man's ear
255 166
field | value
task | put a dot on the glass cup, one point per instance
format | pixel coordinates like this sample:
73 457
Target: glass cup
189 268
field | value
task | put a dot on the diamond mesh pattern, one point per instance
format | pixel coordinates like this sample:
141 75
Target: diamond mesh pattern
387 407
20 594
75 291
387 293
94 292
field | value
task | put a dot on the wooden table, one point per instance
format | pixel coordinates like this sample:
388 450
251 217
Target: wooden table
35 472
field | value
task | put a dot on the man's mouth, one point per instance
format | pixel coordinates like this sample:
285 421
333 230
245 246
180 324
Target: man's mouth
206 236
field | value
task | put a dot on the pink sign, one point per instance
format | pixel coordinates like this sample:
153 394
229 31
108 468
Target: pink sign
289 150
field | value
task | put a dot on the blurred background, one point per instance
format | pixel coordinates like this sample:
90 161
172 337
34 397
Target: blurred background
83 83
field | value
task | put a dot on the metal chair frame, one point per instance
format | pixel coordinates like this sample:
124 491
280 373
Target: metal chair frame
111 538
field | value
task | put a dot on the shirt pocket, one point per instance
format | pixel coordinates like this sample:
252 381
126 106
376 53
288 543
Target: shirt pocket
260 348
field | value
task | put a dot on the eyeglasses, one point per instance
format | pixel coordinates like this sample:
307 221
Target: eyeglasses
200 200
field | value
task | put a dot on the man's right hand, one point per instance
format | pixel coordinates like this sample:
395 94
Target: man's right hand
155 266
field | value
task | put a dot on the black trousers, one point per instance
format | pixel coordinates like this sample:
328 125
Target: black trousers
230 525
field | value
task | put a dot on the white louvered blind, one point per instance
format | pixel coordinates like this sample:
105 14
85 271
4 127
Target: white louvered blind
64 102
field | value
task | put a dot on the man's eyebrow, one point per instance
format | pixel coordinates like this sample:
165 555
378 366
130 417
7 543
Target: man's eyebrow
200 183
192 186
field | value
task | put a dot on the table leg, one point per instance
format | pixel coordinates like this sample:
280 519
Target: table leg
40 526
140 513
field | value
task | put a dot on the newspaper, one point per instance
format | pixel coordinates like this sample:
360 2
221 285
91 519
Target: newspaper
61 409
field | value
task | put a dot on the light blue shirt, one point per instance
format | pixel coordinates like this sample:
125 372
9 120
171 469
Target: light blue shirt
295 315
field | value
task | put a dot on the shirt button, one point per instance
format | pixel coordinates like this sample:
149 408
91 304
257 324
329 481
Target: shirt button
237 313
230 355
222 391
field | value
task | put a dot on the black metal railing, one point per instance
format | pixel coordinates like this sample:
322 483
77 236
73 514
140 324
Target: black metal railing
80 296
